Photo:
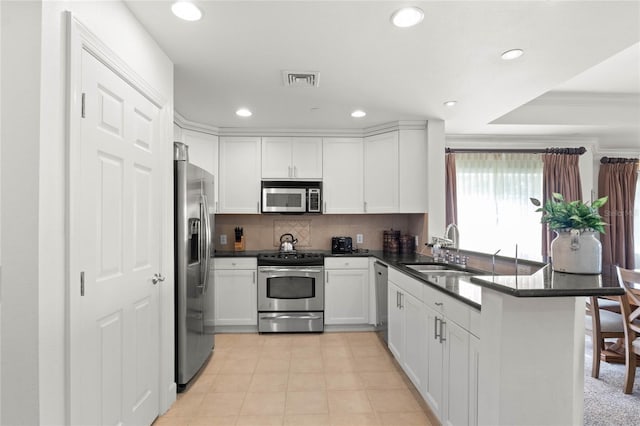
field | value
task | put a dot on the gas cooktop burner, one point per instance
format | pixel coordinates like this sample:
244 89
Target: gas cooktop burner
290 258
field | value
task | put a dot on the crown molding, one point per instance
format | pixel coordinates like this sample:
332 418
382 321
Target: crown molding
183 123
558 98
612 152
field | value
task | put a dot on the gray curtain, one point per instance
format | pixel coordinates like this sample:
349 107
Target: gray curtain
560 174
617 180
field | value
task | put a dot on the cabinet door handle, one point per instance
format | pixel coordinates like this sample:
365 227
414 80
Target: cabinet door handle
254 277
397 299
327 275
435 328
325 207
438 303
295 171
442 324
401 300
365 206
258 207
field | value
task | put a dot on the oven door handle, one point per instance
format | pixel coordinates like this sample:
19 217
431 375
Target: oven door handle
290 270
292 316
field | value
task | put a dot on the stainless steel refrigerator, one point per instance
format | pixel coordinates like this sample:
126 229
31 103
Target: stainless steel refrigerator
193 188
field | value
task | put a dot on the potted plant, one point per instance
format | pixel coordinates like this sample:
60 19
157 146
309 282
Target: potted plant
576 223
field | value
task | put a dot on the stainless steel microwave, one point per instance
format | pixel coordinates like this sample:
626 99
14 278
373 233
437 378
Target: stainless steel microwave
291 197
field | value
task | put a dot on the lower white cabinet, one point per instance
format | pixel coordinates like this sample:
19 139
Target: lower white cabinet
449 359
236 297
474 365
434 389
430 338
346 290
406 338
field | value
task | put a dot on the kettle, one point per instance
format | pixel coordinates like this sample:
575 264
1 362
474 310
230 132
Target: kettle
287 243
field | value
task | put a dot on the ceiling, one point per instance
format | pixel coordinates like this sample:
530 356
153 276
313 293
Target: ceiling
579 75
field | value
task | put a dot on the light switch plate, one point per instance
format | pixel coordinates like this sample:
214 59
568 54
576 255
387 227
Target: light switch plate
223 239
359 238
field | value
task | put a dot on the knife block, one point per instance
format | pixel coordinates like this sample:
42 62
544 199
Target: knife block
239 245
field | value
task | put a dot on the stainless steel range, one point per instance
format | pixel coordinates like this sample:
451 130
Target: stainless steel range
290 292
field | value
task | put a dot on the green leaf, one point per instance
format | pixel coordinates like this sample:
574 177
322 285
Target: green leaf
535 202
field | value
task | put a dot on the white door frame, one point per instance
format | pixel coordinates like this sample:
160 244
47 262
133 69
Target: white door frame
80 38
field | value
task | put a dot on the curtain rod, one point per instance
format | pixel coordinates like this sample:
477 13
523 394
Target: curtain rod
578 151
614 160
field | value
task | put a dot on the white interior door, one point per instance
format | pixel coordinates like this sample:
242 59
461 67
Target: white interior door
114 340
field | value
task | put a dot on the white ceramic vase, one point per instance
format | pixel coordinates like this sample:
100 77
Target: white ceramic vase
576 251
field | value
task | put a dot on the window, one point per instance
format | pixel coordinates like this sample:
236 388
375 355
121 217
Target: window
494 210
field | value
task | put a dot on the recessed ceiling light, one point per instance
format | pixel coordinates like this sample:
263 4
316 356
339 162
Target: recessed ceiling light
407 17
186 10
512 54
243 112
358 113
450 103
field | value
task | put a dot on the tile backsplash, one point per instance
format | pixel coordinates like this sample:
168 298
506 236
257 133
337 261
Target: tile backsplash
314 232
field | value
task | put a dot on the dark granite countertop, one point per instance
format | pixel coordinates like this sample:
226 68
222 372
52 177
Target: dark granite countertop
467 288
548 283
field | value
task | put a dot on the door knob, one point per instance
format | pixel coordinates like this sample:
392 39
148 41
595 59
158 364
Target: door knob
157 278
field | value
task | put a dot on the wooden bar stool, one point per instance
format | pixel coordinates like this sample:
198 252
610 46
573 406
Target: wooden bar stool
600 324
630 304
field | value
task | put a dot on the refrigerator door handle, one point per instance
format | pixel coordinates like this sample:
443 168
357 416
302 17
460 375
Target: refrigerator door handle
207 233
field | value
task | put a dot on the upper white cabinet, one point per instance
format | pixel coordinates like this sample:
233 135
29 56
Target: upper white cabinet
291 158
413 176
381 173
239 167
342 181
203 152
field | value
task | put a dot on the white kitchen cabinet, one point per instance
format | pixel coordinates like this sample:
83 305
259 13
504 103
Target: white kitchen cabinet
239 183
235 284
456 368
449 358
434 389
406 337
203 152
342 175
474 366
413 172
346 290
291 158
395 323
381 173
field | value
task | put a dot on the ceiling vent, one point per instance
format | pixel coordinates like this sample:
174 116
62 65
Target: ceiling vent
301 78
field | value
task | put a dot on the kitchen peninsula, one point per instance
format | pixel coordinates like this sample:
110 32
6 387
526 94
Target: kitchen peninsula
531 346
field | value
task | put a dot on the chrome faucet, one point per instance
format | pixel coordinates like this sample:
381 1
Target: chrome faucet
453 234
493 262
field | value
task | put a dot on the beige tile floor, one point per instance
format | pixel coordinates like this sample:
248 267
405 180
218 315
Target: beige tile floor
299 379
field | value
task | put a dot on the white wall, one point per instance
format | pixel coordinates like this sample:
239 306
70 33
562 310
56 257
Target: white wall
21 64
34 198
437 178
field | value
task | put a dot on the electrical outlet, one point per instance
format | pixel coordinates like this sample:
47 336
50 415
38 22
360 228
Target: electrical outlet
359 238
223 239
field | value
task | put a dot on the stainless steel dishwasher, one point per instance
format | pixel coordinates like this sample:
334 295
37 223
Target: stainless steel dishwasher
382 276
